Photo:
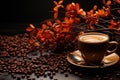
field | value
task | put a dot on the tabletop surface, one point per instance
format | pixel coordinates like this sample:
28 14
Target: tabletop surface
19 62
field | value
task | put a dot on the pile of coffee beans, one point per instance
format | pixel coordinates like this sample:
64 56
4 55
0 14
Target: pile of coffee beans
14 59
44 66
17 45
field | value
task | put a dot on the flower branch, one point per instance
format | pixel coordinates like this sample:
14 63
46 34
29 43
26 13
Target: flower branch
58 34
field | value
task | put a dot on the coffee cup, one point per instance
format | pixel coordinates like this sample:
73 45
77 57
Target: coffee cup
94 46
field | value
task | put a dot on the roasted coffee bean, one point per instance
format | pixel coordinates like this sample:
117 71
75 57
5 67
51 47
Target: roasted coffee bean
105 78
56 69
118 75
13 76
30 58
33 79
42 73
110 79
38 75
66 75
49 73
62 71
99 78
53 73
80 75
9 72
23 76
18 78
51 77
29 79
76 73
28 76
46 69
45 75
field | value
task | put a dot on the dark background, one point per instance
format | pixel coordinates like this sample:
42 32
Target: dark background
16 15
17 11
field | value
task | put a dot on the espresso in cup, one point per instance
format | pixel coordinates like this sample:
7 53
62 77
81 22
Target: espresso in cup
93 38
94 46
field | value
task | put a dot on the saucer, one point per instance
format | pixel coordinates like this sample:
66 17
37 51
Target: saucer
76 59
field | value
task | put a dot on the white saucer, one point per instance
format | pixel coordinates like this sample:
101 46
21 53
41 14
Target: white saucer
76 59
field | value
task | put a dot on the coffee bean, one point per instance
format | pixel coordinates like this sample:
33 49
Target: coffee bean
70 71
66 75
28 76
53 73
45 75
23 76
56 69
80 74
111 79
18 78
30 58
49 73
38 75
29 79
13 76
76 73
118 75
33 79
105 78
62 71
51 77
99 78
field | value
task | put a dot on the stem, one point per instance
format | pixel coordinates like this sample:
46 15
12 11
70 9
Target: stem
115 9
104 21
99 30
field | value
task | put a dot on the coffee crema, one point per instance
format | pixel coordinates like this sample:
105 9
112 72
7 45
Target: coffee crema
93 38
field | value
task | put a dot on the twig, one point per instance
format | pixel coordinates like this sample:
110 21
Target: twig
99 30
115 9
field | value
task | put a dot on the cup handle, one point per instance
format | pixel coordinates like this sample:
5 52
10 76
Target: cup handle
112 43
